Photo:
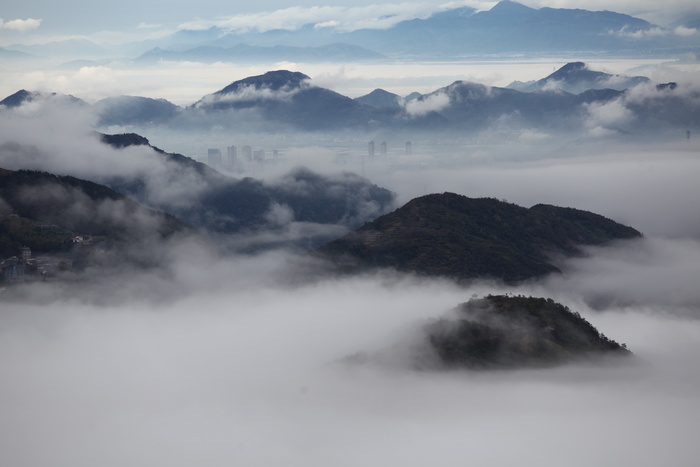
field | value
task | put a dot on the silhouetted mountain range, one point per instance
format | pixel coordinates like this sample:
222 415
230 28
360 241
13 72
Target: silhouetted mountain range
564 102
463 238
508 27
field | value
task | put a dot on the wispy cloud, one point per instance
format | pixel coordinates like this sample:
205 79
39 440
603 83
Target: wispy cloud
683 31
143 25
432 103
379 16
20 24
640 33
251 94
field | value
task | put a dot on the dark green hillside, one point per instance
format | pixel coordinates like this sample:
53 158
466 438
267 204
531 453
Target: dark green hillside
463 238
17 232
508 332
79 206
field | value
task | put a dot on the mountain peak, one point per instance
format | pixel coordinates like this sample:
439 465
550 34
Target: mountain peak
576 77
571 67
508 7
18 98
380 99
273 80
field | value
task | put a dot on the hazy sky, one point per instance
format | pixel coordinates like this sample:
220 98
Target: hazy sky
34 20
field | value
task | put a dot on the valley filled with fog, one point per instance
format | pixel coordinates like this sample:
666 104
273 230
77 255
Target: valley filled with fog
237 358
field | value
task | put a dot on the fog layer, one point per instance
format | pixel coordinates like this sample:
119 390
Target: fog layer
237 361
250 374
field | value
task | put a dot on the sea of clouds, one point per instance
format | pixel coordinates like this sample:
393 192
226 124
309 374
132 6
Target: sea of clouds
223 360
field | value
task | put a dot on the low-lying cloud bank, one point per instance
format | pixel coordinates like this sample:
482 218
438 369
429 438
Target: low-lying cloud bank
219 360
223 364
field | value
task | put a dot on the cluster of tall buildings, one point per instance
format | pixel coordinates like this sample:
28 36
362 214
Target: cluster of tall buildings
245 157
382 148
215 157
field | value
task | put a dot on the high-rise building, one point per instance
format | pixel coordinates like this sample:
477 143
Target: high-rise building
214 158
408 148
231 156
382 148
247 153
370 149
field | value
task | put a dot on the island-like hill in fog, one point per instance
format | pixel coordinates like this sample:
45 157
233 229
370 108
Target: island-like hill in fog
501 331
498 332
463 238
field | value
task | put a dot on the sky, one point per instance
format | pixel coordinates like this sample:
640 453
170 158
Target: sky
37 21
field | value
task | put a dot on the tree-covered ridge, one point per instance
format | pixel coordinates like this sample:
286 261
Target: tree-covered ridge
71 205
501 331
17 232
463 238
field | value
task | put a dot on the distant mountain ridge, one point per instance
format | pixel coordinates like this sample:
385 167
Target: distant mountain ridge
278 101
508 27
462 238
